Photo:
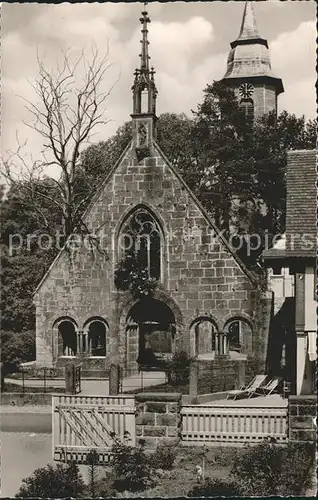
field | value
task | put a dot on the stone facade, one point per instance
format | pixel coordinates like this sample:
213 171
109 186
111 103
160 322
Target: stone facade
200 275
264 97
302 415
158 418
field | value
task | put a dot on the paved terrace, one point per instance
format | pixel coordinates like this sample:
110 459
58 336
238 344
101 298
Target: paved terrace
273 400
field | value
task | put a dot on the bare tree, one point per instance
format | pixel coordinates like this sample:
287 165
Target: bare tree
66 116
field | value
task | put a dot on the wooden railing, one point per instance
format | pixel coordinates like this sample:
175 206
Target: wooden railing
233 425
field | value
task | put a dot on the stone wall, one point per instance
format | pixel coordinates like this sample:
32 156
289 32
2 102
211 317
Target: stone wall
220 375
158 418
302 411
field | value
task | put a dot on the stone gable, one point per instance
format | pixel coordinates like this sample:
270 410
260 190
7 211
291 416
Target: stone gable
201 276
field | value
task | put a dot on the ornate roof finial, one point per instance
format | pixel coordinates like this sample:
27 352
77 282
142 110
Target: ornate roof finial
144 76
144 65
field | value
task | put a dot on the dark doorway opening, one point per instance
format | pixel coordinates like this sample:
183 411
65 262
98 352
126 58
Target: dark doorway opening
155 324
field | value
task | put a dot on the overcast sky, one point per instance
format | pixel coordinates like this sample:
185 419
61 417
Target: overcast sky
189 45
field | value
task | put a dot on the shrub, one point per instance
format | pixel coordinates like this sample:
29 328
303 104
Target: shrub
214 488
272 470
164 457
104 487
132 468
53 482
179 367
130 275
92 461
17 348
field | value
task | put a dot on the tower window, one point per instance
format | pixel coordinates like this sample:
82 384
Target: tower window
144 101
247 108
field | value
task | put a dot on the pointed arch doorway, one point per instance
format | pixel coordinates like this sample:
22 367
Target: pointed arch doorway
150 334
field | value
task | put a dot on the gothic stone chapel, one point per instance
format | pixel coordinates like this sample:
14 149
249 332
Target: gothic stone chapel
205 303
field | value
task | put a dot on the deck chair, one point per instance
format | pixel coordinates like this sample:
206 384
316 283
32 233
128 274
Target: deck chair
269 388
257 381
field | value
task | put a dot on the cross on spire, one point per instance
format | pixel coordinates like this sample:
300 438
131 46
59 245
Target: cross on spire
144 65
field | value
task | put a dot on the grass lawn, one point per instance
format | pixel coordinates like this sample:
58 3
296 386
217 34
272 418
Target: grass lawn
183 476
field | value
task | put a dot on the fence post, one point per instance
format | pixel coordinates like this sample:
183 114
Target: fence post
114 379
69 378
44 378
22 380
193 379
241 374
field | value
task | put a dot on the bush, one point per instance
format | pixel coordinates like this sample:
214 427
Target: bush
272 470
53 482
16 348
164 457
131 275
131 467
179 367
214 488
105 487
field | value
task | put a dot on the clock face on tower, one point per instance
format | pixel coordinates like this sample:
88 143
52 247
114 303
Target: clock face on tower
246 90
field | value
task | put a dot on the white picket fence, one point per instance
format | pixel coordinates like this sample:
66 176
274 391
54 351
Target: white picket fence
219 424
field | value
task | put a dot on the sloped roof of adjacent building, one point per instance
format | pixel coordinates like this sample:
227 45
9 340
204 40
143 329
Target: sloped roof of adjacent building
301 208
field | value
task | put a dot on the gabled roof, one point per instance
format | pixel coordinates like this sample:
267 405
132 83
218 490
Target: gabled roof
207 217
94 198
222 239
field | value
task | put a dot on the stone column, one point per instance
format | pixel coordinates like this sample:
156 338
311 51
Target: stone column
79 343
89 344
221 349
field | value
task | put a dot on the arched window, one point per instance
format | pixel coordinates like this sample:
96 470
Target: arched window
94 338
141 236
247 108
67 338
97 338
237 329
204 335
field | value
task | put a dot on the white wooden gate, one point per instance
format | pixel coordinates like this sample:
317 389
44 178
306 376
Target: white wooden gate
81 424
221 424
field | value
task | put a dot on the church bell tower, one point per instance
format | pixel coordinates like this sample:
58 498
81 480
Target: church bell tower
144 97
249 71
